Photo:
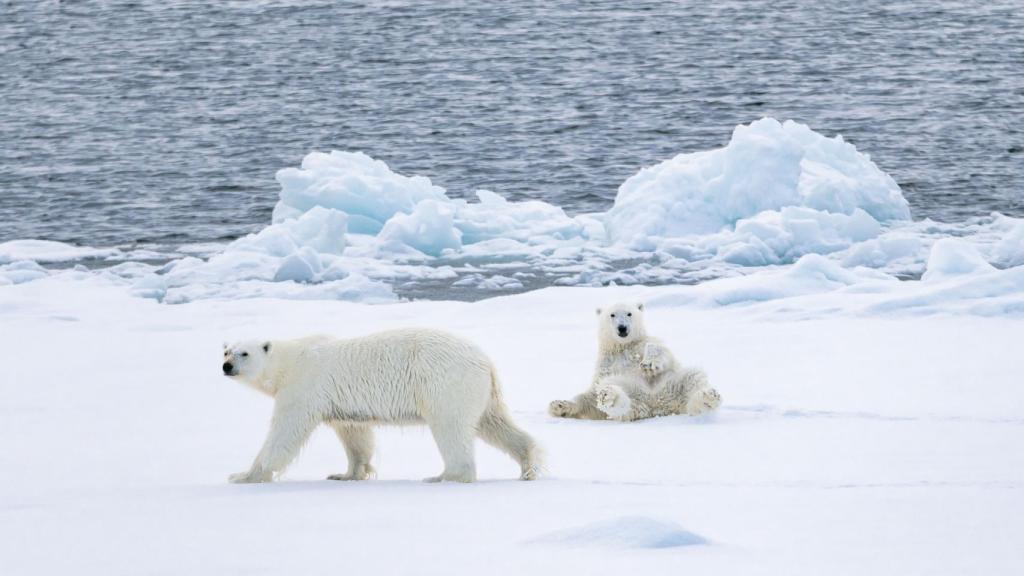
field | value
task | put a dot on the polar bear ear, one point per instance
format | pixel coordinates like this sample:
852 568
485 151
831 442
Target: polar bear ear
225 345
266 347
598 311
640 306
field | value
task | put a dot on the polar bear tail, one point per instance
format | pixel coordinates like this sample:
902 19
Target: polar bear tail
497 429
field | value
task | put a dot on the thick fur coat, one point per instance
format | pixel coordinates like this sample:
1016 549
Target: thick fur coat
636 376
415 376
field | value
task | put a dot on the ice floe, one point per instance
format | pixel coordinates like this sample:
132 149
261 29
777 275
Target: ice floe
347 226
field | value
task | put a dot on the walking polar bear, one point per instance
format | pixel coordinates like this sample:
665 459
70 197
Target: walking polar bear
636 376
397 377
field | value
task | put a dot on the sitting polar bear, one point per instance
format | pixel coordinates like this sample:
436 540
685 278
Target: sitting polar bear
636 376
396 377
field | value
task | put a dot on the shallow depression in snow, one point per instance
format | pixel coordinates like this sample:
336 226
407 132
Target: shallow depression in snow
625 532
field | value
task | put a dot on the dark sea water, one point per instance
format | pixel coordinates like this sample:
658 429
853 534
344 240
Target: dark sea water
163 122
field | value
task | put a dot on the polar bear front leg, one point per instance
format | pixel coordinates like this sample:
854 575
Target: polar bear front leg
359 443
289 429
562 408
654 360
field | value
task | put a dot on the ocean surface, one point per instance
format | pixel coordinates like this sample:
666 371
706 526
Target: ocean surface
162 123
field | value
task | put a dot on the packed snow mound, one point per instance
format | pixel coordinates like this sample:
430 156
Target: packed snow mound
767 165
626 532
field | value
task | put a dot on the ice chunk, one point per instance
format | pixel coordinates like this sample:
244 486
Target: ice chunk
499 282
765 166
495 217
495 282
21 271
50 251
320 229
885 250
429 229
954 257
774 237
301 266
1009 250
353 183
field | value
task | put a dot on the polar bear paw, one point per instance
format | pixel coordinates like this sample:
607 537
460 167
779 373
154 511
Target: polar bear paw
530 473
560 408
704 400
464 477
651 368
653 362
613 401
249 477
364 472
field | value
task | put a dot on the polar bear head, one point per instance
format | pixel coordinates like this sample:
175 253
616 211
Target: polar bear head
620 324
245 360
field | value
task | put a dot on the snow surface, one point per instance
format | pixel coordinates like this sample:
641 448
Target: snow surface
869 426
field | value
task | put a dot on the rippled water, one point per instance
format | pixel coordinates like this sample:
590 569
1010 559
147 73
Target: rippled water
163 122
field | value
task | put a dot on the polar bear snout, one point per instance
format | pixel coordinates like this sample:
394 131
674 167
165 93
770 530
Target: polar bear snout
623 331
245 360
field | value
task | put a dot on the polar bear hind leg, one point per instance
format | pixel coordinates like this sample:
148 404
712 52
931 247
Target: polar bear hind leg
358 441
703 400
613 401
498 430
689 393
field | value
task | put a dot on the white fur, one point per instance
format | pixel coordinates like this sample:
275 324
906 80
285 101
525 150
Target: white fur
397 377
636 376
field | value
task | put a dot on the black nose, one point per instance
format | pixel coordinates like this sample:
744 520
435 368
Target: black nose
623 331
227 367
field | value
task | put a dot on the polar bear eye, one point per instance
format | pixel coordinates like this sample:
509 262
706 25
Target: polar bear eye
244 354
613 315
630 314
